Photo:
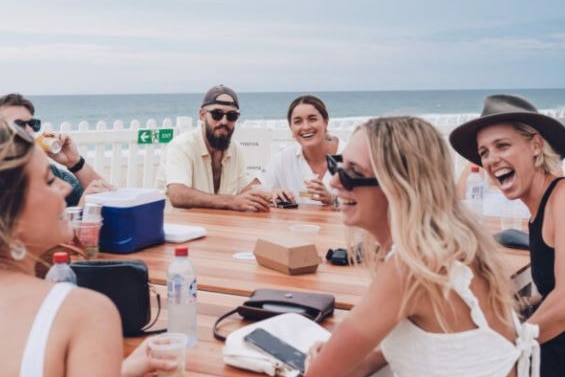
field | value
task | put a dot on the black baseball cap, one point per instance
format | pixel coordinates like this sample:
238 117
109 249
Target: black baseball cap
213 93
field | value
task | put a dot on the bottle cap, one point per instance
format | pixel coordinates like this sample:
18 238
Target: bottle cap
474 168
60 257
181 251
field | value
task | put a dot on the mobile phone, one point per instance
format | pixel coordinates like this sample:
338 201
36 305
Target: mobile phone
286 204
279 349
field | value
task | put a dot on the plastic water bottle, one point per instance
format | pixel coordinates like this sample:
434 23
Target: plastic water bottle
181 296
61 271
474 196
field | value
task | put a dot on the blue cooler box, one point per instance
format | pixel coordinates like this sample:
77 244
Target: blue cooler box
132 219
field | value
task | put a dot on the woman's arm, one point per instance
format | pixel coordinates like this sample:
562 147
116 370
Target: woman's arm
352 344
550 316
95 347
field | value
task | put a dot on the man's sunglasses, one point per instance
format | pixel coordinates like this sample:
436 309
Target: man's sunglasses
219 114
347 181
35 124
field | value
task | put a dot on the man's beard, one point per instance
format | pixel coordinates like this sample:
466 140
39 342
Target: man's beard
220 143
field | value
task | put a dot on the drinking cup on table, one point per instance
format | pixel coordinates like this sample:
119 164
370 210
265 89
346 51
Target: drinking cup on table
305 193
170 346
87 236
307 232
73 214
92 212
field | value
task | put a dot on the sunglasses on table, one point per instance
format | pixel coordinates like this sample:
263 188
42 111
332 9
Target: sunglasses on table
35 124
347 181
219 114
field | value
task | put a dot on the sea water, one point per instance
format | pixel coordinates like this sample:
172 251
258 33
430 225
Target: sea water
274 105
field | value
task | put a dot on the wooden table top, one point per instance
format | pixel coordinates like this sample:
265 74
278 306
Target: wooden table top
231 232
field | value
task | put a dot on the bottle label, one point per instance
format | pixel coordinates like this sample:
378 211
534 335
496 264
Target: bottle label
476 192
192 289
174 290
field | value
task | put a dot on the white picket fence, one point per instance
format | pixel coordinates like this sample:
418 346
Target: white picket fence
114 152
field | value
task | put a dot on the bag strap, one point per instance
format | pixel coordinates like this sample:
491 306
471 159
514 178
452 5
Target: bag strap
217 335
145 331
44 262
221 337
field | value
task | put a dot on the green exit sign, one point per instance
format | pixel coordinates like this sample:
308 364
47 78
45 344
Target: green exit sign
154 136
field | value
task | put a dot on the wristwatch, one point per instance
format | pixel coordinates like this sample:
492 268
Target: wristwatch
79 165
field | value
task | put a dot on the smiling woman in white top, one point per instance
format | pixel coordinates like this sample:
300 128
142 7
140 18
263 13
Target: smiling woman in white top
300 172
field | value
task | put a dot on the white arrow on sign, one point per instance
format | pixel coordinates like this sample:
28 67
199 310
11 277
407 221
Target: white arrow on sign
144 136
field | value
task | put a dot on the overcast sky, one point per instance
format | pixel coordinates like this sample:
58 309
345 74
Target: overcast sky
185 46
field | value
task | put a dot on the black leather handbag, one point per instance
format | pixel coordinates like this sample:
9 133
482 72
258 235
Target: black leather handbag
266 303
126 283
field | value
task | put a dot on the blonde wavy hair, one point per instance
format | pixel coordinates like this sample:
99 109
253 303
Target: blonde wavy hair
548 160
430 226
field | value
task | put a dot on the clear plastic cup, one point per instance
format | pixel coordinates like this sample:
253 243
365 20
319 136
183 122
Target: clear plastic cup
304 193
307 232
170 346
87 236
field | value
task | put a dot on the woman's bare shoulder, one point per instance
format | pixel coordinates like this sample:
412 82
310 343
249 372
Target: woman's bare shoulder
91 302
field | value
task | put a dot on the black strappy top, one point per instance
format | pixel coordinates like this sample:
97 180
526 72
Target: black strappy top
542 256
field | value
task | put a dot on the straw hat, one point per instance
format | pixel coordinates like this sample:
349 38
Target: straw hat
501 108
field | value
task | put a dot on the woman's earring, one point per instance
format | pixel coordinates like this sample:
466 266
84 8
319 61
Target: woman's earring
18 250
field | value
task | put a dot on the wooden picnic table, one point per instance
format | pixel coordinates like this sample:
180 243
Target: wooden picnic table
230 233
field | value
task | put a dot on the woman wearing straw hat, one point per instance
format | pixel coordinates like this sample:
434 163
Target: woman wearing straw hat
521 151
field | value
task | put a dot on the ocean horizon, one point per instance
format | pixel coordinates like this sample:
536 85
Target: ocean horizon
56 109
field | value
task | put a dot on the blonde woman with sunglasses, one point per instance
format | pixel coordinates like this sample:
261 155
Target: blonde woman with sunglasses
438 304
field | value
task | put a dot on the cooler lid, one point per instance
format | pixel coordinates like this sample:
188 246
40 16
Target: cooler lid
126 197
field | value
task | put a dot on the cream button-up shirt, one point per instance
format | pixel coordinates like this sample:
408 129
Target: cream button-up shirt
188 162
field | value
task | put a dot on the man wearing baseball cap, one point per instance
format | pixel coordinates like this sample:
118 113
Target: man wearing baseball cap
203 168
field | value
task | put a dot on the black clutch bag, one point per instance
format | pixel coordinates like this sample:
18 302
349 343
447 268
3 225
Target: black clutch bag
513 238
265 303
126 283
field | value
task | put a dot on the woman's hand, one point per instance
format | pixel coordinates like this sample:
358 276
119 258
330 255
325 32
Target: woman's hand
140 363
320 192
96 186
283 195
313 352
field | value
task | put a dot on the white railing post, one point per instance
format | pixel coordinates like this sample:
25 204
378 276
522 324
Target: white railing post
116 176
99 160
133 165
148 167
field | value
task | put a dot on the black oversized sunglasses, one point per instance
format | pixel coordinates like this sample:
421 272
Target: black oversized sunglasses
219 114
347 181
35 124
